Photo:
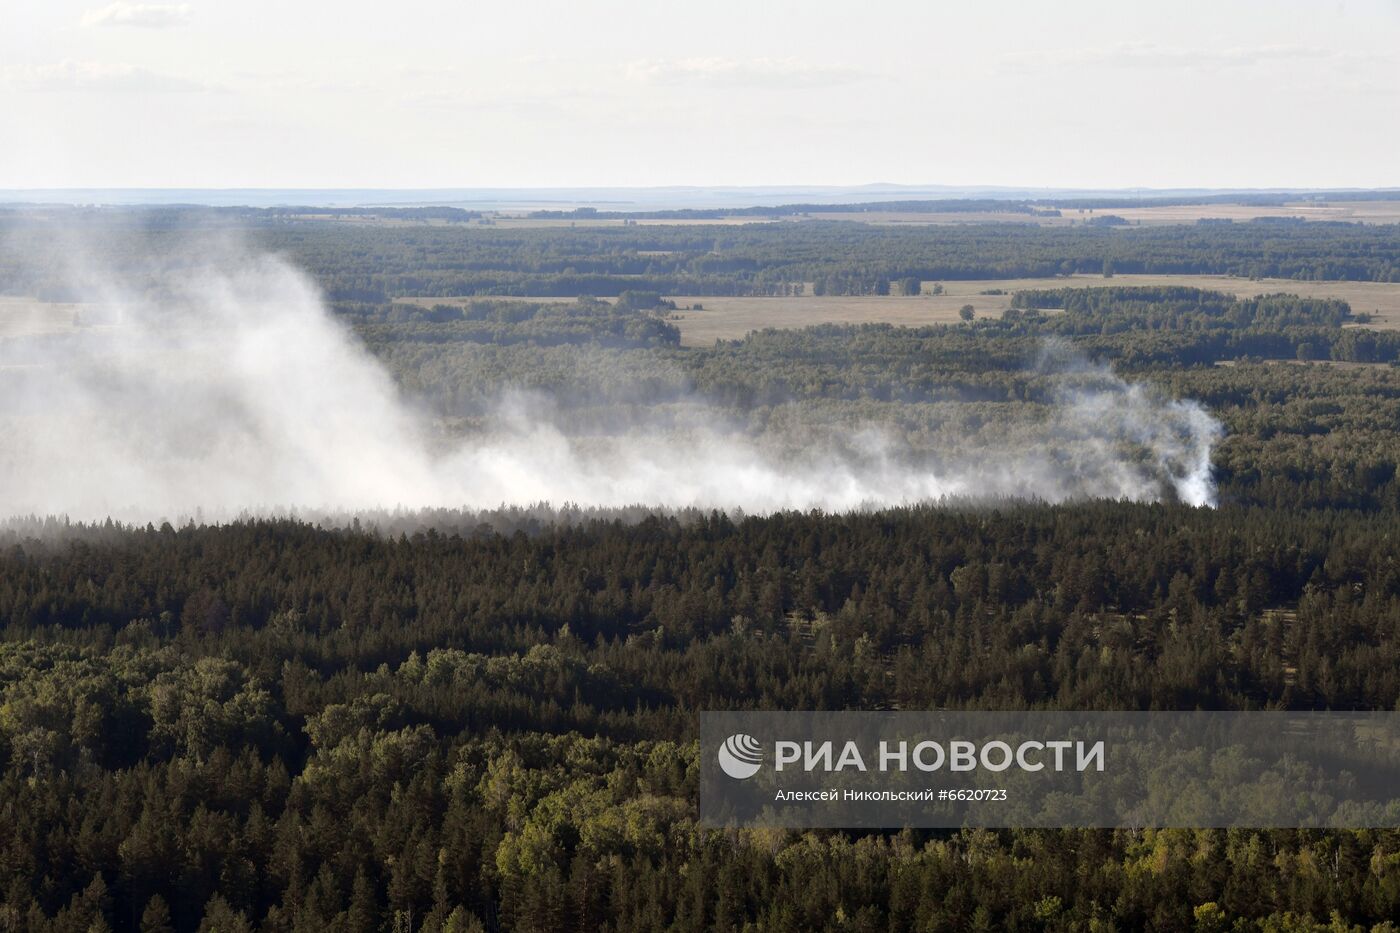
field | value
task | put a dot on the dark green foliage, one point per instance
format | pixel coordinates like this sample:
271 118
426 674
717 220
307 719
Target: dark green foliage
498 728
632 300
629 323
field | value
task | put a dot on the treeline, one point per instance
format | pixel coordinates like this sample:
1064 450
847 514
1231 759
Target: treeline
279 727
585 321
926 206
844 258
1178 307
762 259
1190 327
376 263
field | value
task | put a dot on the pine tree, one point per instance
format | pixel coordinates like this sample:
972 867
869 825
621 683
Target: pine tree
156 917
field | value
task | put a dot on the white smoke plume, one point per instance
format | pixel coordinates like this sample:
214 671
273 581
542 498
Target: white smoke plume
214 392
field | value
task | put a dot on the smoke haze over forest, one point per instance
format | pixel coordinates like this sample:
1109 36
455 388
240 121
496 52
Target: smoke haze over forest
215 382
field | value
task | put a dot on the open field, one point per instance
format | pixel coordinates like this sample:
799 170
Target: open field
732 318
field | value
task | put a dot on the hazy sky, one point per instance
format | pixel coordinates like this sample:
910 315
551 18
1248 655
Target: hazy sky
411 93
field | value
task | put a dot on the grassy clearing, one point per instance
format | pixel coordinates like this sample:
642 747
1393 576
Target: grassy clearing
732 318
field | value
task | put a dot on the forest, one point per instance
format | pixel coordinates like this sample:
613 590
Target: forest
461 720
276 726
375 263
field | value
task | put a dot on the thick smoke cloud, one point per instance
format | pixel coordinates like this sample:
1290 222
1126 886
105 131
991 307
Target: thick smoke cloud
218 390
